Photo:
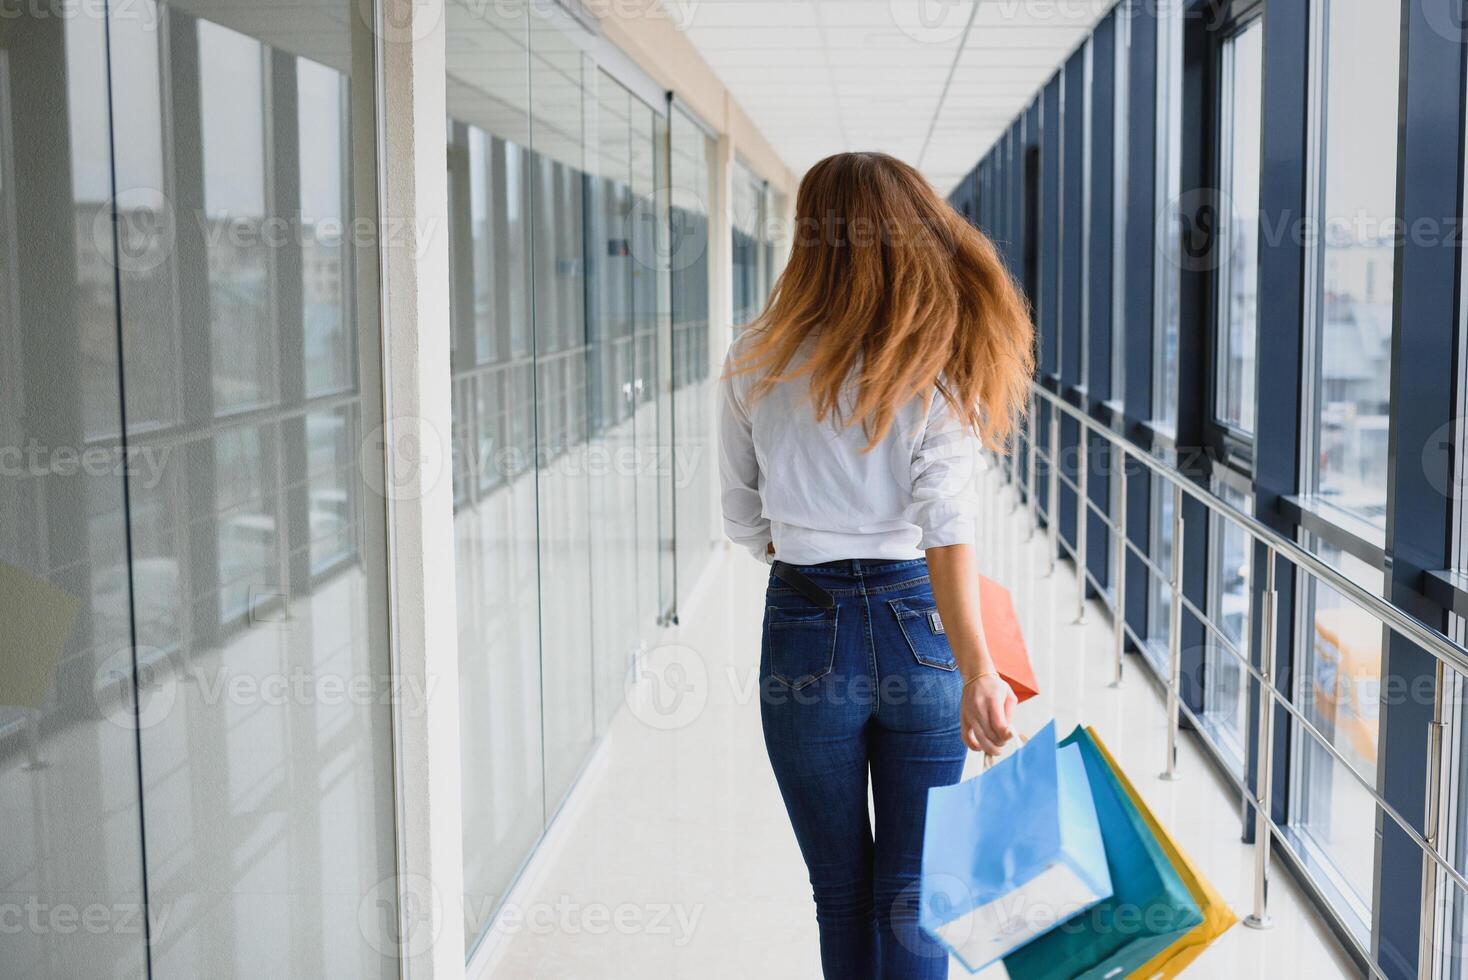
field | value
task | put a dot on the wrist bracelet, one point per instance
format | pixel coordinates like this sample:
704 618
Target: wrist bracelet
980 676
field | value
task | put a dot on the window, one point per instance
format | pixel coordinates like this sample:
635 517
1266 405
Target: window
1225 680
748 199
1348 389
1119 203
1338 689
1087 108
1241 83
1159 606
1050 139
1166 308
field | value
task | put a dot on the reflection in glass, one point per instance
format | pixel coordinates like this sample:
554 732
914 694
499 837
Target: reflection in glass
320 126
1168 310
746 218
1159 590
1238 273
1225 677
259 545
558 80
1339 692
70 828
1357 214
1121 146
231 94
495 451
693 153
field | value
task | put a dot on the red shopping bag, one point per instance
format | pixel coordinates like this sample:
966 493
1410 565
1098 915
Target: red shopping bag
1006 642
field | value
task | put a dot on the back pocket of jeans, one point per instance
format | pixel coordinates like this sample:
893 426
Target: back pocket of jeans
801 643
923 628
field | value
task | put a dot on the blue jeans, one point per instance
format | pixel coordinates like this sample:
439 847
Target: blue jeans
869 687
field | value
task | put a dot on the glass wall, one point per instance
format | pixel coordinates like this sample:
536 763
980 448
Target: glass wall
1339 692
582 406
1348 403
754 212
1166 307
1225 694
196 691
196 559
693 159
70 811
495 441
1357 211
1242 84
1219 332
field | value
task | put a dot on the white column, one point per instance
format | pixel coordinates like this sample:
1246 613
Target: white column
419 486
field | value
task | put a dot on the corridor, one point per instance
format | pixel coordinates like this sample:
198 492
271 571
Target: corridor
673 857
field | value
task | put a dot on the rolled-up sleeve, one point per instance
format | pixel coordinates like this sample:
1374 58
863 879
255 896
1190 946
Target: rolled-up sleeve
945 462
744 520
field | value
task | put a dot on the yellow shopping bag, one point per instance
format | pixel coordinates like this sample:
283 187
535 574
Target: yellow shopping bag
1217 916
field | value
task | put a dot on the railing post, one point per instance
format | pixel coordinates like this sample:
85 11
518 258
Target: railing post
1083 476
1011 473
1030 473
1118 573
1052 493
1264 793
1427 928
1175 634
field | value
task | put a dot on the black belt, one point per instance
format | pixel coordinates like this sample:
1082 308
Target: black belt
801 583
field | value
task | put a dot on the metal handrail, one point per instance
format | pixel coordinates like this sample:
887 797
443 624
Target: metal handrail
1436 642
1446 652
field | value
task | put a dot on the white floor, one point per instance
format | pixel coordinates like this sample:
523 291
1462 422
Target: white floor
674 859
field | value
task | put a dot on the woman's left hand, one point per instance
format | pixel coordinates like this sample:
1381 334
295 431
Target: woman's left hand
988 705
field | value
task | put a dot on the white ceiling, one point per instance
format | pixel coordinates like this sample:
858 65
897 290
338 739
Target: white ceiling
933 82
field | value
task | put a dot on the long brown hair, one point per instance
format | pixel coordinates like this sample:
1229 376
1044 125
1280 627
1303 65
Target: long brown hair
899 294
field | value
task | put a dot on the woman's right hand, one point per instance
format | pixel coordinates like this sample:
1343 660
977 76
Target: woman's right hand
988 705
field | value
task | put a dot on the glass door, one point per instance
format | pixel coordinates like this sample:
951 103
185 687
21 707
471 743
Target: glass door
262 547
1241 86
561 76
71 829
692 476
616 393
1238 78
496 504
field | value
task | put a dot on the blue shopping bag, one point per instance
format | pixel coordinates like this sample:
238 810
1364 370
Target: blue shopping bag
1150 909
1011 854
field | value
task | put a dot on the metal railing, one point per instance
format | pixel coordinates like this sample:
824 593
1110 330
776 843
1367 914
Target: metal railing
1264 603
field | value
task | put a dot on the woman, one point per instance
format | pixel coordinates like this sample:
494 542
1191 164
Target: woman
894 341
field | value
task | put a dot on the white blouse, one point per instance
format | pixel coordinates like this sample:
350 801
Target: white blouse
807 486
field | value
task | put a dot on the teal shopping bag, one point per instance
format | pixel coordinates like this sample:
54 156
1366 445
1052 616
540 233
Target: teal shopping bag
1150 907
1011 853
